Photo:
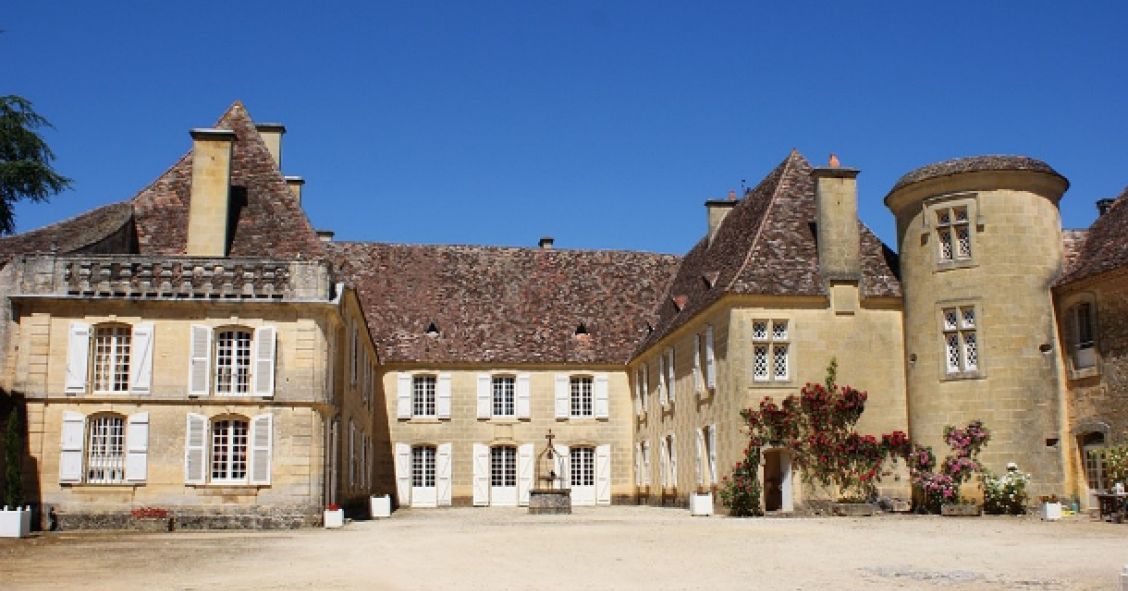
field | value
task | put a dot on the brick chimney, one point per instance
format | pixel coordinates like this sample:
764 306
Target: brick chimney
271 134
836 202
1103 205
210 192
716 210
546 243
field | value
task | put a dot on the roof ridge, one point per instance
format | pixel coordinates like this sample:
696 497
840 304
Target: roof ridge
789 164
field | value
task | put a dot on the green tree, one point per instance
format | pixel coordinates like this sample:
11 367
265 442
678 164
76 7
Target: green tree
25 160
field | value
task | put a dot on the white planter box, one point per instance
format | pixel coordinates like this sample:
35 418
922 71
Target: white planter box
15 523
334 519
380 506
1051 511
701 504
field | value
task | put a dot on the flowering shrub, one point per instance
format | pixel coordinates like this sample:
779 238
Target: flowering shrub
943 487
333 507
818 427
1115 461
1005 494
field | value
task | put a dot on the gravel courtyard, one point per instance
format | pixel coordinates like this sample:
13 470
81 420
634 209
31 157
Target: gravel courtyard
618 548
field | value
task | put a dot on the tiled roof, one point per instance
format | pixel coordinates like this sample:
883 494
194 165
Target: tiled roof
1105 246
974 164
766 245
78 234
269 220
503 305
1072 242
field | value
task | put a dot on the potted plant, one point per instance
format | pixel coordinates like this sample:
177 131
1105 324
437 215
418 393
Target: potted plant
334 516
701 502
1051 507
15 519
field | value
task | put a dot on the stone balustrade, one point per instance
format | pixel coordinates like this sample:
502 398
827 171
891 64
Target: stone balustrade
148 277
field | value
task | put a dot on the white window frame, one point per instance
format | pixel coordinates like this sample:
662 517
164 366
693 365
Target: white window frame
503 396
257 447
953 222
78 456
581 396
424 399
1082 338
206 362
131 363
960 340
770 345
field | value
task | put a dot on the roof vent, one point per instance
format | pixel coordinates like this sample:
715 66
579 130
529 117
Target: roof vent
710 278
432 330
546 243
680 302
1103 205
325 235
581 330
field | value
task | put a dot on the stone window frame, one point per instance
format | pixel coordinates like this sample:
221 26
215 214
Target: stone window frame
508 399
424 469
111 346
422 399
960 330
771 341
105 448
577 396
1072 336
934 229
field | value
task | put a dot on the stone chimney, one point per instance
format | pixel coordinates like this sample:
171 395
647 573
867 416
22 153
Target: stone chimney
836 202
546 243
210 193
295 183
325 235
716 210
271 134
1103 205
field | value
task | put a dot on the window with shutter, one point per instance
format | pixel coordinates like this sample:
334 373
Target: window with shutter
698 380
194 449
524 396
199 361
78 352
70 456
262 442
403 474
137 448
562 397
710 360
141 369
526 460
264 354
442 408
443 474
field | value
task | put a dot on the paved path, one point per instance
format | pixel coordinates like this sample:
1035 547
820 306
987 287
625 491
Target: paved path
616 548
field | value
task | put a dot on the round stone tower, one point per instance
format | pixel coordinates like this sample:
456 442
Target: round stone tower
980 245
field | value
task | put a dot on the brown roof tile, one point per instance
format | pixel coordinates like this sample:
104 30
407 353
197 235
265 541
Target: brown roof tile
78 234
1105 245
974 164
503 305
766 245
269 220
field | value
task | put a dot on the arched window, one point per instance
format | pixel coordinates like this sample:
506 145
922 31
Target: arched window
233 362
110 358
229 443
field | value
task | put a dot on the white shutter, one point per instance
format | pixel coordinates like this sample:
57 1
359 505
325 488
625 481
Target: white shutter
443 473
710 361
638 394
698 472
78 354
525 463
671 369
353 349
141 359
638 464
562 406
481 475
137 447
403 474
645 387
662 398
646 463
673 461
263 376
698 381
403 396
194 447
603 474
664 468
713 453
200 361
601 397
485 396
70 456
564 461
524 396
262 443
442 404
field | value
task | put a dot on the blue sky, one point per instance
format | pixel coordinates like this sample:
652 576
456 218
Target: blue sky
603 124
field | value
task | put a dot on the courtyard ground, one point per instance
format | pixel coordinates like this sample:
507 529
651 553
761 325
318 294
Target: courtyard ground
615 548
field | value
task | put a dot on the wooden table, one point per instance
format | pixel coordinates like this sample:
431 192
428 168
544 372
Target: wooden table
1111 504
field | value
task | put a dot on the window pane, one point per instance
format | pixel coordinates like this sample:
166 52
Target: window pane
105 454
423 467
111 358
943 217
423 396
760 330
953 353
950 319
1084 326
503 466
779 330
229 450
779 361
233 362
971 351
583 466
760 362
963 242
945 239
503 396
968 317
581 397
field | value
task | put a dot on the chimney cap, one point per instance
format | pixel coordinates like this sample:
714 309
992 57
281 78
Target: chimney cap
294 180
325 235
204 133
547 242
1103 205
268 127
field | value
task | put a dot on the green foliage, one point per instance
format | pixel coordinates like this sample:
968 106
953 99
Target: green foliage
741 491
25 160
13 447
1115 461
1006 494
